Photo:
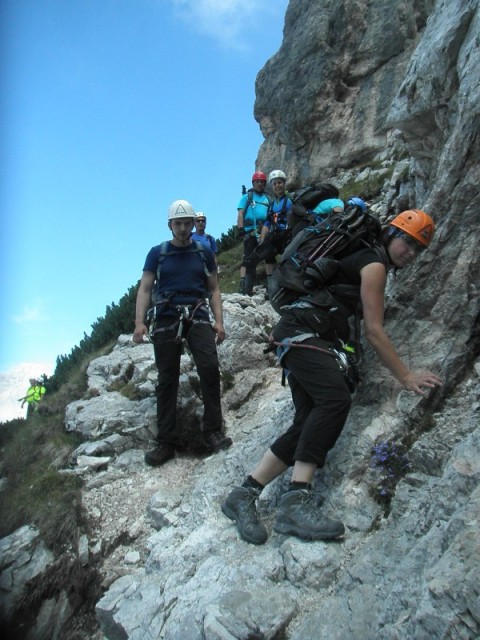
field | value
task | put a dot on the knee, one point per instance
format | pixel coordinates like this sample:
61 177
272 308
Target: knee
209 372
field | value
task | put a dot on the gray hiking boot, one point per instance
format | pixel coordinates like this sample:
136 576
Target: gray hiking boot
240 506
299 516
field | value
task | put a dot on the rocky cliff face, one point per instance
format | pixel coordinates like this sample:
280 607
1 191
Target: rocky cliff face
356 88
323 100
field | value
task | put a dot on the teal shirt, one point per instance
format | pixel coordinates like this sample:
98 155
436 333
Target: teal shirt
256 211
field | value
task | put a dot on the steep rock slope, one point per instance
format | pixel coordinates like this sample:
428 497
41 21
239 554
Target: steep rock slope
346 74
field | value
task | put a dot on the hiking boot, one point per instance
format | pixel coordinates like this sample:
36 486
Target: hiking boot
216 441
240 506
158 456
249 283
299 516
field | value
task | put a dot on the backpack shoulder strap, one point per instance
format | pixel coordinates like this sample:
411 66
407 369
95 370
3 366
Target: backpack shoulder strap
382 253
197 247
210 240
249 199
161 257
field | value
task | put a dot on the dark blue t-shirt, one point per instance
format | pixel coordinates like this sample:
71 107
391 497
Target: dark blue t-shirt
182 272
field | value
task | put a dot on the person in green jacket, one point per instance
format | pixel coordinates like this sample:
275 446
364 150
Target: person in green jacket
34 395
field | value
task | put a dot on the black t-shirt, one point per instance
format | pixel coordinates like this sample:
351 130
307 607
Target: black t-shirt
350 266
329 317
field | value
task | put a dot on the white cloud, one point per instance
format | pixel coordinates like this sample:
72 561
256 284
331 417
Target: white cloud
227 21
30 314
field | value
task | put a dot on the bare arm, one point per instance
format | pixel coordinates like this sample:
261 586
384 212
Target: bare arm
264 233
372 294
142 304
216 305
240 215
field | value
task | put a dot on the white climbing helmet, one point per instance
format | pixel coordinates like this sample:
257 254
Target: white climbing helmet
200 215
277 175
180 209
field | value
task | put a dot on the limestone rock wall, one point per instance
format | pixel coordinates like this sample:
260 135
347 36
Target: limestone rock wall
323 100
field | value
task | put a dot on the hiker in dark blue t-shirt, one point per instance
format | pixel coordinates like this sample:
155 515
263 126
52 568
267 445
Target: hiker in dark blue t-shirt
200 234
179 276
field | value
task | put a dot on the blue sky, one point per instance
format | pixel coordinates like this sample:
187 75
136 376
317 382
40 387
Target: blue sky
110 110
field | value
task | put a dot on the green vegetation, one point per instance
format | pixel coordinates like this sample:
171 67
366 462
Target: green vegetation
227 240
119 318
368 189
33 452
229 266
36 493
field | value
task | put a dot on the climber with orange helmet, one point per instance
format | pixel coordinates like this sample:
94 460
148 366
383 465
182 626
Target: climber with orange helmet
310 336
252 212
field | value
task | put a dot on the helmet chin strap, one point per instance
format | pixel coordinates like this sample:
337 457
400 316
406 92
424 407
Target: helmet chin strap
183 243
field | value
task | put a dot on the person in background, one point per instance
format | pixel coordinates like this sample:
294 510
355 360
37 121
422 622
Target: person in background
202 236
34 395
305 336
275 234
326 207
252 212
181 275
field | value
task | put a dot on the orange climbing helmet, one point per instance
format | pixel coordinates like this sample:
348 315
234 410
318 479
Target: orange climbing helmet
417 224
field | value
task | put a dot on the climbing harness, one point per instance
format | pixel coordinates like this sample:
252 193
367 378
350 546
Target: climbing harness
344 355
184 318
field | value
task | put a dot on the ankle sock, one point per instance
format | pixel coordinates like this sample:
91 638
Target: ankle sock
251 482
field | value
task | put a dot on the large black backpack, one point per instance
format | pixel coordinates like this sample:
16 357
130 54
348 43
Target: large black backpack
310 261
304 200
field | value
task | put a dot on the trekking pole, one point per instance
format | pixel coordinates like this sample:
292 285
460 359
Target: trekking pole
329 243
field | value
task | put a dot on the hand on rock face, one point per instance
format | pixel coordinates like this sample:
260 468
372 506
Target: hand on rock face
417 381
